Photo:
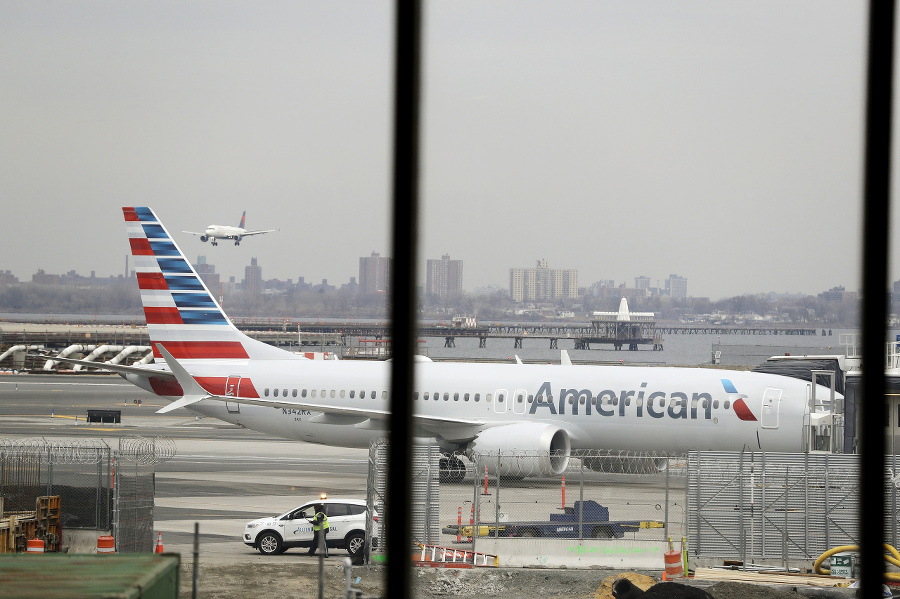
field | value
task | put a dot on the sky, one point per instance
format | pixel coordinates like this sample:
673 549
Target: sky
719 141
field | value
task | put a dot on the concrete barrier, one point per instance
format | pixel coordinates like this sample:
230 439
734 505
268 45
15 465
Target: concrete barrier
575 553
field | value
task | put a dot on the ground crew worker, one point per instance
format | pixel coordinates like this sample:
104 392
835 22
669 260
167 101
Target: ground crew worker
320 528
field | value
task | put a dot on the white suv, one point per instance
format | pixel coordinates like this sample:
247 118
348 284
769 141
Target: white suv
346 528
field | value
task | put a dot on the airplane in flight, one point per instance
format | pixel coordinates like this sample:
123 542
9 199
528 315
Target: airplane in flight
204 363
216 232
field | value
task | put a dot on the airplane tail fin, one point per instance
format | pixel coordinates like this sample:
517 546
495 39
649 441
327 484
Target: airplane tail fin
243 220
180 311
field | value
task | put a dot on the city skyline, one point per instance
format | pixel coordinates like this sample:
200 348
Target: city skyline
717 140
673 285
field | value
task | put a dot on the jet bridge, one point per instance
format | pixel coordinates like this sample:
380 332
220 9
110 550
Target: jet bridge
823 426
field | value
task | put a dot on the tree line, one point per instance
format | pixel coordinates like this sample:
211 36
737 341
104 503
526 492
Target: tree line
123 298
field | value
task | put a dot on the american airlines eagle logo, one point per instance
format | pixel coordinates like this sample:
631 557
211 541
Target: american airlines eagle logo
740 406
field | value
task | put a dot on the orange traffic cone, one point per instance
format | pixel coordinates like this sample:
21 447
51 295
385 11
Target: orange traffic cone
159 546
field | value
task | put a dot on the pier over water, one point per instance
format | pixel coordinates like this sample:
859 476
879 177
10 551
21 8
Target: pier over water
293 332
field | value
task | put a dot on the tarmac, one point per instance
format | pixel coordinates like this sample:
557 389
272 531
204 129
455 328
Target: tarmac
222 476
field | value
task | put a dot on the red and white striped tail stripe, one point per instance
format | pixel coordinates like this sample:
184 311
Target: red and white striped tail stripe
180 311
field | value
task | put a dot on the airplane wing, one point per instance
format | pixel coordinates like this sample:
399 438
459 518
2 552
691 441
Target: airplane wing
260 232
193 233
117 368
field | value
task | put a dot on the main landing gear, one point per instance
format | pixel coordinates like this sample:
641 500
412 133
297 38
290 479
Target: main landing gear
452 469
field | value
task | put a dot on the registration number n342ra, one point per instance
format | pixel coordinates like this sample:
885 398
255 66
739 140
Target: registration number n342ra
296 412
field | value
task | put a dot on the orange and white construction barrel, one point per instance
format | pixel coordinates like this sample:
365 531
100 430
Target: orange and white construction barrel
106 544
673 565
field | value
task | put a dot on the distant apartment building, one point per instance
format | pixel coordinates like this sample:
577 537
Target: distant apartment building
642 282
208 275
7 278
42 278
676 287
253 281
612 292
838 294
600 287
374 274
542 283
444 277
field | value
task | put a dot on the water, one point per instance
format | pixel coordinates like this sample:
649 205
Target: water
679 350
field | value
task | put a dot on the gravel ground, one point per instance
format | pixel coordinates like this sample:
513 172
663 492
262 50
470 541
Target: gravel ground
238 581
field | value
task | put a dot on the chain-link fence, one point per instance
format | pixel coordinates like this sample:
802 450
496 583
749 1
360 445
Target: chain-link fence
591 494
425 501
135 490
79 471
99 488
513 494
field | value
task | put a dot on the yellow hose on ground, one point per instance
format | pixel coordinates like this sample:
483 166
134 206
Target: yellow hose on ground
893 558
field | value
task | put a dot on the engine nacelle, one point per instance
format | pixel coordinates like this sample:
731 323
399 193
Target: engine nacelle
524 449
204 238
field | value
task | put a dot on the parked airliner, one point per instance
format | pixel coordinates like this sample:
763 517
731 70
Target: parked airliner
215 232
206 364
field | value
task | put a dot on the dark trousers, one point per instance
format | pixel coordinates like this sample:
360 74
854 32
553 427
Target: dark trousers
315 542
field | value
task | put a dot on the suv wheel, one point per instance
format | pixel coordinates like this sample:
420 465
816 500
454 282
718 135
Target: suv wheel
269 543
356 544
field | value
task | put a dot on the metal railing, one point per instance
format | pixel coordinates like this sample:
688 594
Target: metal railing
779 506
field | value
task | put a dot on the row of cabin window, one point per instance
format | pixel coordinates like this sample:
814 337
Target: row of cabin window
488 397
608 401
324 393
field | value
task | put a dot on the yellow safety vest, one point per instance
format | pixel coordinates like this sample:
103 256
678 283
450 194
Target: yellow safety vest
316 524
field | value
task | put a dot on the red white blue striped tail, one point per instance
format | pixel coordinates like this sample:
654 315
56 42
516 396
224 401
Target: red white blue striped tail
181 313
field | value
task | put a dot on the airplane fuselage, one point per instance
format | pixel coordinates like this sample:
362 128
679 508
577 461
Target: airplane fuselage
208 365
224 232
627 408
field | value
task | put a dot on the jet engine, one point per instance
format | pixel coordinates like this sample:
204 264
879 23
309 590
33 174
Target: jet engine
523 449
204 238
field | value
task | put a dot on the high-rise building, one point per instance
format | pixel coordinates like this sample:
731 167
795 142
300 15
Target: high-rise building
208 275
642 282
374 274
444 277
253 282
676 287
542 283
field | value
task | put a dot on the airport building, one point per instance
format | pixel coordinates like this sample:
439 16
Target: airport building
542 283
444 277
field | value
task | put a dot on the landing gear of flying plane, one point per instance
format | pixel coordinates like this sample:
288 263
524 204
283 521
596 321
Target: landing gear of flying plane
452 469
237 243
214 242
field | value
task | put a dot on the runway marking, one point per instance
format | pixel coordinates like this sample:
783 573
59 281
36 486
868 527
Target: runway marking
272 458
74 384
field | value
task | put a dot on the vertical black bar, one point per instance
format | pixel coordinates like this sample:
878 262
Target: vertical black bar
874 306
403 292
